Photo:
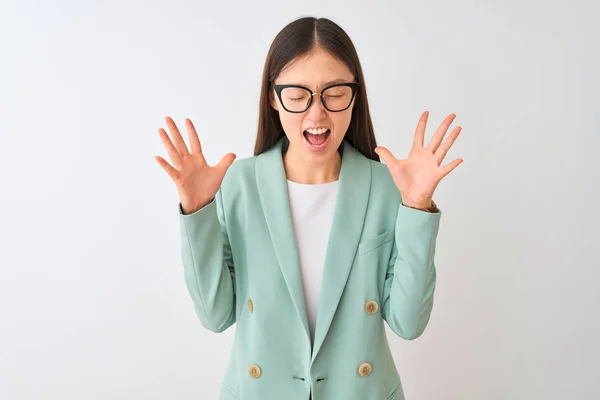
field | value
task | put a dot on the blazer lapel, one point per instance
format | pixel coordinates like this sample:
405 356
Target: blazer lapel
348 219
346 228
272 189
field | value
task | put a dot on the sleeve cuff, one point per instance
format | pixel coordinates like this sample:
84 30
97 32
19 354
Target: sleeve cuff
411 220
197 212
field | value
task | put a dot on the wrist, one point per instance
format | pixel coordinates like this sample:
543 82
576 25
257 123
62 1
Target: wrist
430 207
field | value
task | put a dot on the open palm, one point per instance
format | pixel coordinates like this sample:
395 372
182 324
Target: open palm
418 175
195 180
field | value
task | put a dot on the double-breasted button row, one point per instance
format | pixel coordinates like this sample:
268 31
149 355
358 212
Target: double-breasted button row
371 307
254 371
364 370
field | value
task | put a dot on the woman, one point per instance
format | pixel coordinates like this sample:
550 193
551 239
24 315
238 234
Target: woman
312 222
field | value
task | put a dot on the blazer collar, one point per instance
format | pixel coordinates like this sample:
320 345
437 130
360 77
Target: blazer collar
348 220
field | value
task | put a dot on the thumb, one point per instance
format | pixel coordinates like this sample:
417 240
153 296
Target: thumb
385 154
226 162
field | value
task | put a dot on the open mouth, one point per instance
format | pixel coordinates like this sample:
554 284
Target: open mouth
317 140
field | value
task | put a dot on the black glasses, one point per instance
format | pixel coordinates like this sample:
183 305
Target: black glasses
335 98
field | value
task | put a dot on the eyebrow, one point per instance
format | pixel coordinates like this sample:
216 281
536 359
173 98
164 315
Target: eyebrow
333 82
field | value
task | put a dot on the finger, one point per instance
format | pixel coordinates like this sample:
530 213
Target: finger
172 172
445 146
194 140
177 139
225 162
446 169
420 131
171 150
440 133
385 154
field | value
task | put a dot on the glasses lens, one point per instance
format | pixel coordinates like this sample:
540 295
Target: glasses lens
295 99
338 97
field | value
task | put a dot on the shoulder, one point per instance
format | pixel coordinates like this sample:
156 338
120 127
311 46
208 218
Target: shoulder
241 170
379 170
382 183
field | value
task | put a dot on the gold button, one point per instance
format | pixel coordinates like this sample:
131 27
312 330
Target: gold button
254 371
371 307
250 305
365 369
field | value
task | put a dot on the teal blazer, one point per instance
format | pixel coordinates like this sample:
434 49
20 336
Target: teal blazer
241 266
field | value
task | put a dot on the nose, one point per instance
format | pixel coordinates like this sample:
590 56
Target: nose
316 105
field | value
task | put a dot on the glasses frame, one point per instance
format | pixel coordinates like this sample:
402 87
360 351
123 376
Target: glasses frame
352 85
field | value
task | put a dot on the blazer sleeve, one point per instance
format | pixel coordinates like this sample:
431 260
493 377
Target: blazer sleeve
411 274
208 264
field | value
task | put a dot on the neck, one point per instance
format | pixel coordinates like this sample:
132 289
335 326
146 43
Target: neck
310 172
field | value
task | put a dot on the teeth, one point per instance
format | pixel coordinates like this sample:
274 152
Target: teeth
318 131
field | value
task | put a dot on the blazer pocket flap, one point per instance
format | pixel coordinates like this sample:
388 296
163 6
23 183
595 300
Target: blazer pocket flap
375 242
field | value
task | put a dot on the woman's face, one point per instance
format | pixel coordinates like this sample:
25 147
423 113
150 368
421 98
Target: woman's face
315 72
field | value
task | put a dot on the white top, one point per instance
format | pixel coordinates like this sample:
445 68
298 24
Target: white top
312 208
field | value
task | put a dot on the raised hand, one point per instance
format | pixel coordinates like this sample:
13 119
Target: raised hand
418 175
197 183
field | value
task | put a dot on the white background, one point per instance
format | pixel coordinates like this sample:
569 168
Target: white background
93 300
